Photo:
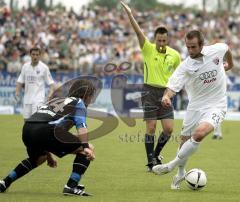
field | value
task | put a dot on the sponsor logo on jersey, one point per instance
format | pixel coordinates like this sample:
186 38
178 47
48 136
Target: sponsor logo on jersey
208 77
210 80
31 79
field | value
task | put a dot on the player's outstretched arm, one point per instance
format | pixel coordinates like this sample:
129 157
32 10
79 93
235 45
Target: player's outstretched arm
137 29
229 60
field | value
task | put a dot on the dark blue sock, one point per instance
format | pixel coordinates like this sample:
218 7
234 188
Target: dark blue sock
80 165
22 169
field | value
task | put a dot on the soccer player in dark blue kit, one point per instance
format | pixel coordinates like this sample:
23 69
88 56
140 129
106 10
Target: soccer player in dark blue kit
47 132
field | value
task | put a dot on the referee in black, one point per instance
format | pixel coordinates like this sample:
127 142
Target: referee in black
160 61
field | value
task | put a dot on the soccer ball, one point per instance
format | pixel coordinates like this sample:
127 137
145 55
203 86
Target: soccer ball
196 179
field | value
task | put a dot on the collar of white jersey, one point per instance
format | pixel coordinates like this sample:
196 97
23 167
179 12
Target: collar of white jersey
204 52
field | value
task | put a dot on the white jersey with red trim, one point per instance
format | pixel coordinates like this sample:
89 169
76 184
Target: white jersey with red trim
204 78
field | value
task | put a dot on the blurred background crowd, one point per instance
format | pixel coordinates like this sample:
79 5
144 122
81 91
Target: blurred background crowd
85 41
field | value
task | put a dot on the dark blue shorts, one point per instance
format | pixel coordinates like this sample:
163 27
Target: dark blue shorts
40 138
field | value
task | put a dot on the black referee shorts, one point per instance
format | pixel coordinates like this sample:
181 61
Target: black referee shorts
151 102
40 138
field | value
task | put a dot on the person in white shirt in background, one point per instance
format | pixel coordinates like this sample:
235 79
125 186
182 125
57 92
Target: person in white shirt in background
203 75
34 75
217 133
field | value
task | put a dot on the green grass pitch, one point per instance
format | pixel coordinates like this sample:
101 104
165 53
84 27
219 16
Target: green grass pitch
118 173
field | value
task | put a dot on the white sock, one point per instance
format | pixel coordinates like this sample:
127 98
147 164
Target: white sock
187 149
181 168
218 131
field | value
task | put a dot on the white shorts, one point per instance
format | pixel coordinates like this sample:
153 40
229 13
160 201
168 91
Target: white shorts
30 109
192 119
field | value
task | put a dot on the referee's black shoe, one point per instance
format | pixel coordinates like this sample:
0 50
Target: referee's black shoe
155 161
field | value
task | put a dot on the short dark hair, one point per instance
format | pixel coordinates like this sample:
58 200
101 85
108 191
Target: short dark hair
195 34
82 88
35 48
160 30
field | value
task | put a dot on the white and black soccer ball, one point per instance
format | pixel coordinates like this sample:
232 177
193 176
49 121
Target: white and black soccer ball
196 179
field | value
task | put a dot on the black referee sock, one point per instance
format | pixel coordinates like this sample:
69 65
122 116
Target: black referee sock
149 146
22 169
80 165
162 140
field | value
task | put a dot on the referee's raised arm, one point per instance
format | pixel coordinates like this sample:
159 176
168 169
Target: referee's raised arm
137 29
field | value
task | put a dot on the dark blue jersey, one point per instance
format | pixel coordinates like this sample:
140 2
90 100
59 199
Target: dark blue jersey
64 112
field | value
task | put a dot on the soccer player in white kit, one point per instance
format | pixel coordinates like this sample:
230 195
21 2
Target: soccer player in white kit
34 75
203 75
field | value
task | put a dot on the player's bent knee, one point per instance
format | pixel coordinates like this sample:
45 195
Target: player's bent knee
151 129
202 131
199 135
168 131
78 150
81 151
41 160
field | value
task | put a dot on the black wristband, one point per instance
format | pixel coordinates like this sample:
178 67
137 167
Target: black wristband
85 145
